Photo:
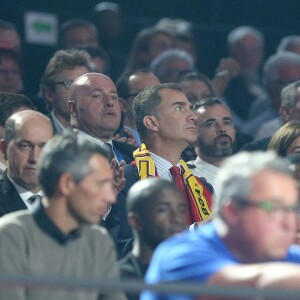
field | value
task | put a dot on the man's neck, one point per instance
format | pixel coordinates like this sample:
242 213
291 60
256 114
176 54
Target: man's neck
58 213
105 137
142 251
63 120
215 161
170 152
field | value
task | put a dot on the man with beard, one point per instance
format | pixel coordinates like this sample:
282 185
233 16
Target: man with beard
215 138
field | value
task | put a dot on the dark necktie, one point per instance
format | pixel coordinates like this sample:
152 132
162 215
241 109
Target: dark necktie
175 173
34 198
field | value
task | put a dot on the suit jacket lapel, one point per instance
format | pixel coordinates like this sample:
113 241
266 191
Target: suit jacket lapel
9 197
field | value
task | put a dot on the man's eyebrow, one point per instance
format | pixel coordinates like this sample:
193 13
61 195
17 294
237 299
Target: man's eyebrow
179 103
209 120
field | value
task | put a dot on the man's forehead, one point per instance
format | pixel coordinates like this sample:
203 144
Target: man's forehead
213 109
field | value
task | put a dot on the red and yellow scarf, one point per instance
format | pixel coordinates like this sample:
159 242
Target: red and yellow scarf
198 196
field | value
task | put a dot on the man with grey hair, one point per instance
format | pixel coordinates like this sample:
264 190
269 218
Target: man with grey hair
169 64
60 236
249 243
279 70
289 110
245 45
289 43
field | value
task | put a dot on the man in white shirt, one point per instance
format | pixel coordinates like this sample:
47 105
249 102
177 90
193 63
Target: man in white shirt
215 138
25 134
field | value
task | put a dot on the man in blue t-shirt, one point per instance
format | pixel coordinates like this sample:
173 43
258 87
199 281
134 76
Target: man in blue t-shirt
249 241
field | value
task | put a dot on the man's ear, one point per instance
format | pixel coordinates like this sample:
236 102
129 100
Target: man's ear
65 184
72 109
285 112
134 220
48 95
151 123
230 213
3 148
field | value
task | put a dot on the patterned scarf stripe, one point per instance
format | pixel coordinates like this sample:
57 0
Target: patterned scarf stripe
198 195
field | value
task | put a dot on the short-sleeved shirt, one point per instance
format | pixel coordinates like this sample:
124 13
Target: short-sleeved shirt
194 256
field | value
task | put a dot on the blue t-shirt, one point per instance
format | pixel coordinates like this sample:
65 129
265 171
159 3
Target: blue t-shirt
194 256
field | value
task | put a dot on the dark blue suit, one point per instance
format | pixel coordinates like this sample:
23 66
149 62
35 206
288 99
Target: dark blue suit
10 199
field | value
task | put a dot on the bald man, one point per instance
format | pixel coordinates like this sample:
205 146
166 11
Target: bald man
96 112
25 134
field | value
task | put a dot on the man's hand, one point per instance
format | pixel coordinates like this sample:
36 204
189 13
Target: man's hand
118 173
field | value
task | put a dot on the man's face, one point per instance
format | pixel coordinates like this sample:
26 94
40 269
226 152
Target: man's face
90 199
9 39
98 107
81 36
249 52
165 216
138 82
285 75
173 69
196 90
264 234
10 76
158 44
59 96
294 110
215 131
23 152
175 121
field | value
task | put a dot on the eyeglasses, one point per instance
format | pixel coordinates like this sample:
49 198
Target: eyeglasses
276 211
66 83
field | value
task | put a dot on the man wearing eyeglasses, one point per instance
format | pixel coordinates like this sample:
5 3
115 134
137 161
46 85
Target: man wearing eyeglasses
249 243
63 68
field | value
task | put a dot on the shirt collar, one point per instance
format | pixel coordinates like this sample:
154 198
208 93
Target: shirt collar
163 166
24 194
58 126
47 225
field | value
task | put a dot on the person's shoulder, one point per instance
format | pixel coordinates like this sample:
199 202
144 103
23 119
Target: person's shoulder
16 223
293 254
258 145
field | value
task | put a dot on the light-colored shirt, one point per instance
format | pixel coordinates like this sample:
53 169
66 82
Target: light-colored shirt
163 166
24 194
58 126
205 170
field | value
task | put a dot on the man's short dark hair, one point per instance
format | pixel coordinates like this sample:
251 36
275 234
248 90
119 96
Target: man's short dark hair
208 102
146 104
66 153
10 102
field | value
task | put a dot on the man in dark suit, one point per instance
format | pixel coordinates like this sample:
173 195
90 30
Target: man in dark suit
25 134
96 114
95 111
166 125
62 69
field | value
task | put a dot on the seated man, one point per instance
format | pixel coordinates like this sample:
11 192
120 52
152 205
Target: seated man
166 125
60 236
249 242
156 211
25 133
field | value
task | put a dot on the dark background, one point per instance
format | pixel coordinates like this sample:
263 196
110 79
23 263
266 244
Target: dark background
213 19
